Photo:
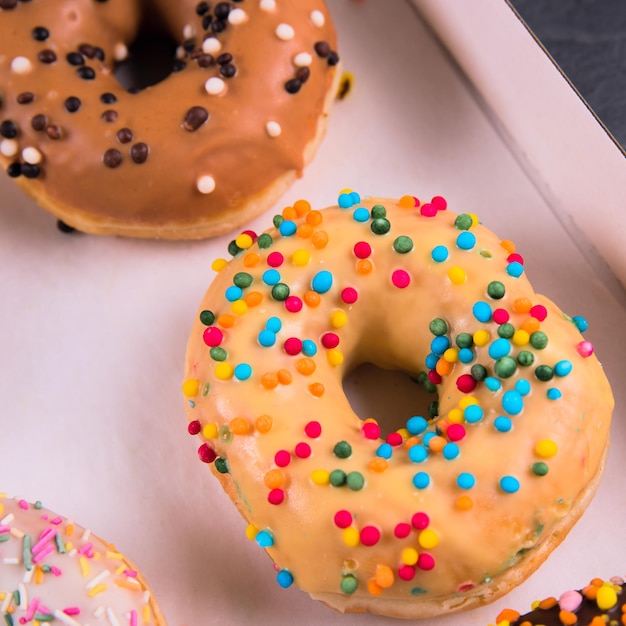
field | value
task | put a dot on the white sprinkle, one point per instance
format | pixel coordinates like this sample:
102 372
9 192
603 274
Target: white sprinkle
9 147
21 65
28 576
285 32
65 618
211 45
215 86
96 580
112 618
273 129
237 16
23 597
31 155
10 560
120 51
302 59
206 184
180 52
188 31
267 5
5 521
99 612
7 600
317 17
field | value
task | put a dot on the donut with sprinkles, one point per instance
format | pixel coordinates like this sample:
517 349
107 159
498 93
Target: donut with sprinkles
54 570
241 111
466 496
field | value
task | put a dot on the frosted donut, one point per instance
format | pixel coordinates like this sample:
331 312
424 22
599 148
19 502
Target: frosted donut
465 498
53 570
199 153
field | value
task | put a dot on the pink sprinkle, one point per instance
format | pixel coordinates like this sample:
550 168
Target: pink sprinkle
276 496
539 312
425 561
501 316
330 340
420 521
57 520
343 519
349 295
585 348
292 346
455 432
406 572
194 427
570 601
131 573
46 536
362 250
313 430
71 610
515 258
434 377
428 210
440 202
5 529
370 535
303 450
23 505
401 279
371 430
275 259
43 553
133 618
394 439
466 383
402 530
206 453
282 458
293 304
55 570
213 336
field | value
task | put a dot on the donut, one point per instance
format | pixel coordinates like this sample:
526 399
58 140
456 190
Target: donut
599 603
210 146
449 506
54 570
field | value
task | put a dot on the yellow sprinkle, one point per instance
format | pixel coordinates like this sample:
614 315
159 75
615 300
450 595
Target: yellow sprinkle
428 538
244 241
606 598
350 537
239 307
457 275
94 591
456 416
191 387
474 219
451 355
251 531
338 319
209 431
409 556
520 337
219 264
320 477
301 257
546 448
84 566
146 614
481 337
334 356
128 583
224 370
116 556
466 401
404 433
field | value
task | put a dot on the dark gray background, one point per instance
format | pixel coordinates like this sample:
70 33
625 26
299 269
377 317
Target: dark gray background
587 39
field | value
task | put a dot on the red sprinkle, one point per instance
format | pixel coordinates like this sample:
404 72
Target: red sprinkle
515 258
213 336
275 259
250 234
440 202
501 316
194 427
275 496
420 521
313 430
539 312
455 432
466 383
282 458
330 340
406 572
425 561
292 346
362 250
428 210
303 450
434 377
371 430
394 439
402 530
206 453
349 295
293 304
343 518
370 535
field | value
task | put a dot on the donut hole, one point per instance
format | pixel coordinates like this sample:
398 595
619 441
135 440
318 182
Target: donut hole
391 397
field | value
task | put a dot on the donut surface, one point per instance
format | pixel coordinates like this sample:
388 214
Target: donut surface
199 153
54 570
461 500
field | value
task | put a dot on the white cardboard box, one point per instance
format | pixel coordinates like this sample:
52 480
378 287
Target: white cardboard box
93 330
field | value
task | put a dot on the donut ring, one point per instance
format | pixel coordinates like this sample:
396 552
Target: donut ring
54 570
199 153
454 507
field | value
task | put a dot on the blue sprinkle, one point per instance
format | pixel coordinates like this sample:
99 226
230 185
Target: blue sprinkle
481 311
553 393
563 368
492 383
440 344
361 214
418 453
466 355
466 240
515 269
384 451
416 425
287 228
503 424
450 451
439 254
322 281
499 348
271 277
243 371
267 338
431 361
355 197
345 200
427 437
421 480
309 348
284 578
523 386
465 480
581 323
233 293
264 539
274 324
509 484
473 413
512 402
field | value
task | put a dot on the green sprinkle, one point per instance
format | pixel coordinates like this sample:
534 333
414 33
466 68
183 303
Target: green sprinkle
478 372
349 583
44 617
207 317
337 478
264 241
60 544
233 248
355 481
342 449
539 340
224 434
438 327
525 358
278 220
4 537
26 554
463 221
206 388
380 226
464 340
218 353
280 292
8 618
378 211
433 409
506 331
540 468
544 372
38 506
221 465
242 279
496 290
505 367
403 244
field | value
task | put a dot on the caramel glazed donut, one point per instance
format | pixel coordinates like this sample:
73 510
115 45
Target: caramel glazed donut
456 506
198 154
54 570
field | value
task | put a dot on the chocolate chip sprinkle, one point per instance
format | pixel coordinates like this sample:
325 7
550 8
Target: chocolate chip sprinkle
109 116
293 85
40 33
8 129
72 104
228 70
202 8
26 97
112 158
108 98
139 152
39 122
47 56
75 58
14 170
322 49
124 135
8 4
53 131
86 72
303 74
195 117
30 170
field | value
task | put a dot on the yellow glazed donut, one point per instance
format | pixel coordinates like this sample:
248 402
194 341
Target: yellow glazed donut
199 153
461 501
53 570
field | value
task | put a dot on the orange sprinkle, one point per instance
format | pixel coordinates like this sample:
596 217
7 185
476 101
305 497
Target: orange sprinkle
251 259
384 576
269 380
364 266
437 443
407 202
312 298
274 479
132 584
317 389
254 298
284 376
264 423
443 367
320 239
289 213
378 464
508 245
547 603
374 588
567 618
531 325
38 575
305 366
507 614
314 218
410 442
304 231
302 207
225 320
239 426
598 620
464 503
590 591
522 305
